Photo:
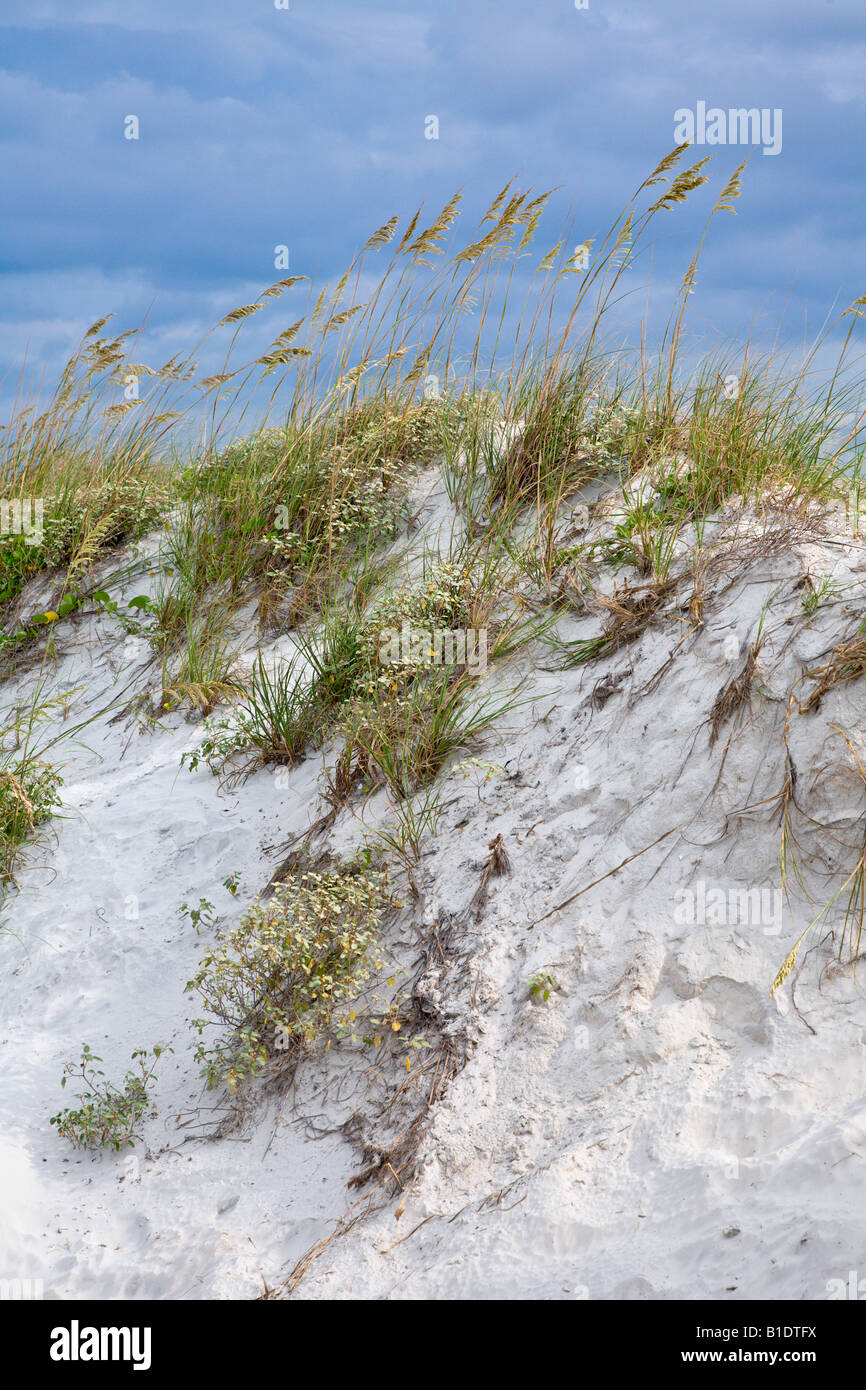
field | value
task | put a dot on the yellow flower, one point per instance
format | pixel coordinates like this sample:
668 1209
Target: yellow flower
51 617
396 1026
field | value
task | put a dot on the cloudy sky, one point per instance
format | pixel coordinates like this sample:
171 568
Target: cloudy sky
305 126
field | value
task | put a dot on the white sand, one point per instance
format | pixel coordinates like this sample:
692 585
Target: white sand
660 1128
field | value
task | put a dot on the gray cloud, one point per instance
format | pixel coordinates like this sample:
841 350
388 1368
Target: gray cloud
306 127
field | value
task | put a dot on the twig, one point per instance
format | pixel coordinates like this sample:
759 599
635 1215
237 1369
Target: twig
596 881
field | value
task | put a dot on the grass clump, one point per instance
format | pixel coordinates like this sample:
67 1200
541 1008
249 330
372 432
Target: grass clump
286 707
290 508
204 671
406 739
29 792
400 714
276 984
79 525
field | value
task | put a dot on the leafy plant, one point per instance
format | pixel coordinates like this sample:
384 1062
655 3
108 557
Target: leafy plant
277 981
109 1115
142 604
414 819
541 985
29 792
201 916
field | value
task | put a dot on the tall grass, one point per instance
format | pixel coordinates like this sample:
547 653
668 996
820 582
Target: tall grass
285 512
299 519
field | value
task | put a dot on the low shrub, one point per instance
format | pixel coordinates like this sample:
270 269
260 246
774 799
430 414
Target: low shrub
108 1116
275 984
28 794
78 526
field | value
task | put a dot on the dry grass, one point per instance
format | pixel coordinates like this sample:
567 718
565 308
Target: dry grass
631 610
736 694
497 865
847 663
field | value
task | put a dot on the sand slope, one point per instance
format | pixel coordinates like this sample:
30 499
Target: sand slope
658 1128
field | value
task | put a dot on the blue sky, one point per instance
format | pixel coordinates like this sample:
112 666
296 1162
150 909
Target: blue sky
306 127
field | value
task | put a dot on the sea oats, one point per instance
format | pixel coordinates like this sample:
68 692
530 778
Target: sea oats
244 311
382 236
274 291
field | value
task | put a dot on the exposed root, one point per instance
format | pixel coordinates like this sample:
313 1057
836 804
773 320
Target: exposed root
631 609
342 1228
498 864
735 695
847 663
